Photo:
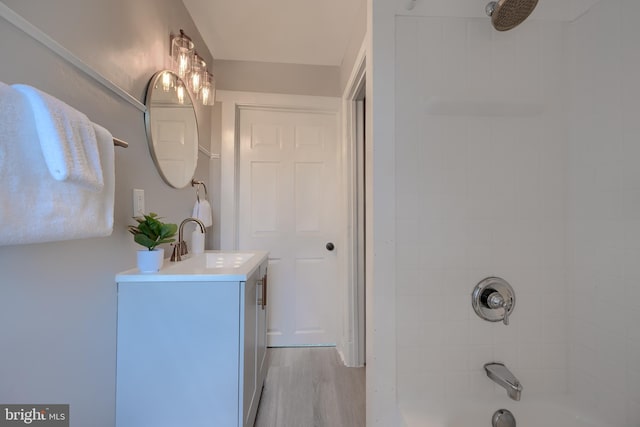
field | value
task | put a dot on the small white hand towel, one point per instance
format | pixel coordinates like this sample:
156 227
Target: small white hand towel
34 207
202 211
67 139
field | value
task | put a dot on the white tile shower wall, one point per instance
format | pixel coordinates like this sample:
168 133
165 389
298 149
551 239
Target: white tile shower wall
477 195
604 210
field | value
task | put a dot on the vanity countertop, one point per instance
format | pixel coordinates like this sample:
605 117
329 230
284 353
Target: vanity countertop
210 266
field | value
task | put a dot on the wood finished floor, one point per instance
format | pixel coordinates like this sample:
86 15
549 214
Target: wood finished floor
310 387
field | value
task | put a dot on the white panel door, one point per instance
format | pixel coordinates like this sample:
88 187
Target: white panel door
288 204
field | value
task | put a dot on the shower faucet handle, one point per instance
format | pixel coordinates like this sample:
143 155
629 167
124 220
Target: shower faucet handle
493 299
496 300
507 311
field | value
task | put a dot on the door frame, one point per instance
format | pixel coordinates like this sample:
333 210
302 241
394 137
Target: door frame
351 343
232 103
354 345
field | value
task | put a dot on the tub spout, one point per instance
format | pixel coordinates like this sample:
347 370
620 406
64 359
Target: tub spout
502 376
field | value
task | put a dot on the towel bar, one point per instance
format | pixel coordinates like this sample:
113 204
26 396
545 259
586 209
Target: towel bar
197 184
120 143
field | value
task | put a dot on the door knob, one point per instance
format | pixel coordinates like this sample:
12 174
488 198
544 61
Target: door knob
330 246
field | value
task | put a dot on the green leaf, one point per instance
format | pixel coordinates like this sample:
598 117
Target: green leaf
168 230
163 241
151 231
145 241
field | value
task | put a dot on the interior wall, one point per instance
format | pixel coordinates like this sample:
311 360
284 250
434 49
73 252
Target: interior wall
358 33
604 210
269 77
380 229
480 191
59 299
215 171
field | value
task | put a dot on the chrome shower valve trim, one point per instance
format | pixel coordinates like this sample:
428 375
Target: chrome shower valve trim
493 299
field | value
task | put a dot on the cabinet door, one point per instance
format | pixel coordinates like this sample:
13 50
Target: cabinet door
249 400
178 354
255 343
261 338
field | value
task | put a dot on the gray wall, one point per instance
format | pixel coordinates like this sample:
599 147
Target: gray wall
58 300
294 79
358 32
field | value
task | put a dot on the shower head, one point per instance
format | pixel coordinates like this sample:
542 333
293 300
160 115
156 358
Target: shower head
508 14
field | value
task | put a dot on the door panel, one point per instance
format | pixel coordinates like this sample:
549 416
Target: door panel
311 279
288 199
265 183
308 183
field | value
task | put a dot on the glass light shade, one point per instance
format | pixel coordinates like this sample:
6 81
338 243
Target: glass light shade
180 89
207 93
166 81
182 54
197 76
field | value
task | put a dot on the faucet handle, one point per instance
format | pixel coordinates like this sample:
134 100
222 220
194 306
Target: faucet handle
507 310
496 300
175 253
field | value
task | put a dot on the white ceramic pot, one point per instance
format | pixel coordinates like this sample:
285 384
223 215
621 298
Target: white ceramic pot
150 261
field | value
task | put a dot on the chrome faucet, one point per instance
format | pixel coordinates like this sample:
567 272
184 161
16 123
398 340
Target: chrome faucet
180 247
503 377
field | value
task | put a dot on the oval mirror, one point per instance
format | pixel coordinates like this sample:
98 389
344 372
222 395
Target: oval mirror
172 128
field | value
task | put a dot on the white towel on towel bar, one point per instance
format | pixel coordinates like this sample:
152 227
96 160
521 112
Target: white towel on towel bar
202 211
34 207
67 139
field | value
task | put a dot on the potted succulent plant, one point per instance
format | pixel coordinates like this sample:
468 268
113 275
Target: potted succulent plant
151 232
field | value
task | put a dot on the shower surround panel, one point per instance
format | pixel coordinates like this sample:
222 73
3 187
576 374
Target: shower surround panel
517 155
480 192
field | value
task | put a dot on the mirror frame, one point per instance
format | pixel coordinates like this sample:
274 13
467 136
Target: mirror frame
155 80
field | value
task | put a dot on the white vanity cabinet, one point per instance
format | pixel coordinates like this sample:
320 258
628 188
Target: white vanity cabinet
192 343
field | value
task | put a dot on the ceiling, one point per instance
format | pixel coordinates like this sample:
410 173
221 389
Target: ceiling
315 32
548 10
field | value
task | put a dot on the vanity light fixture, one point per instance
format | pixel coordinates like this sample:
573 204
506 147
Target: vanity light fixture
167 81
180 91
182 54
196 76
188 65
208 91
